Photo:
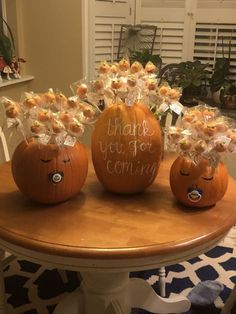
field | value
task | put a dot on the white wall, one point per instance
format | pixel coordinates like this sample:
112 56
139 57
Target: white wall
48 35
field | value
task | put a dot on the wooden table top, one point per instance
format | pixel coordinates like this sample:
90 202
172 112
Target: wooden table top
98 224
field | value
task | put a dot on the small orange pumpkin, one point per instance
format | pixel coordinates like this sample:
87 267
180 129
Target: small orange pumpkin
126 148
198 185
48 173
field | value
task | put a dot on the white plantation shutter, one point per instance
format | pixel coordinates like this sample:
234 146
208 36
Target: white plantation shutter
168 16
191 29
169 41
216 6
215 28
117 1
106 38
212 41
106 18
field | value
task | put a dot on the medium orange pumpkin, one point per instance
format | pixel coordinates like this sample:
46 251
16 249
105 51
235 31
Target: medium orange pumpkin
198 185
126 148
48 173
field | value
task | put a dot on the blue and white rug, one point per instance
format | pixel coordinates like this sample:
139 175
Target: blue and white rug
32 289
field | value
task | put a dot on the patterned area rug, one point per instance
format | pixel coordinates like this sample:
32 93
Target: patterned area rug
32 289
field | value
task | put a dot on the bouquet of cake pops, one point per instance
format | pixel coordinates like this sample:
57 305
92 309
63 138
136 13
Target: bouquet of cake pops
48 117
129 83
119 82
203 133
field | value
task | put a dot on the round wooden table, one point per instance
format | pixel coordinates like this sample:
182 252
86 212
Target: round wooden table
105 236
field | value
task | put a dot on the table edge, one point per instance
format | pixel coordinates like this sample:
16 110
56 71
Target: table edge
109 253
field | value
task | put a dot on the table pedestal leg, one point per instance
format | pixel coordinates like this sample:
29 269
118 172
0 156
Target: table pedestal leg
143 296
116 293
106 293
71 304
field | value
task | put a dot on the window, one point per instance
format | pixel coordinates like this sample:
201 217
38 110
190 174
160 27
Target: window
186 29
214 41
193 29
104 23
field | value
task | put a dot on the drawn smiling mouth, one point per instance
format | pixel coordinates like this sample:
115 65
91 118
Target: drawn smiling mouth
194 195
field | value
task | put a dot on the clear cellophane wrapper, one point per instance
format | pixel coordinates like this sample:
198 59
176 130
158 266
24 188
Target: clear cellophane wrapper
128 83
49 117
203 133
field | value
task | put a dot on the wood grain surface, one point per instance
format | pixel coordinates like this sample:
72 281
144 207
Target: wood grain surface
101 225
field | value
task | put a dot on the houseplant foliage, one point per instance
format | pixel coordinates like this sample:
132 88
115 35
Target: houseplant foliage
223 87
7 44
50 165
189 75
220 74
9 62
126 141
198 177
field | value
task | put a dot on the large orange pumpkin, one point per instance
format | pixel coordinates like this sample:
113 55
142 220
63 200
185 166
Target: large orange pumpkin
48 173
198 185
126 148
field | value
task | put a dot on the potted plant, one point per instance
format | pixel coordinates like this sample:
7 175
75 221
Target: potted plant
228 95
190 76
7 44
9 62
220 78
223 88
220 74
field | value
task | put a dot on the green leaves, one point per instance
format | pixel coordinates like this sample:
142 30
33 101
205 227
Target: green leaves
185 74
7 45
6 48
220 74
